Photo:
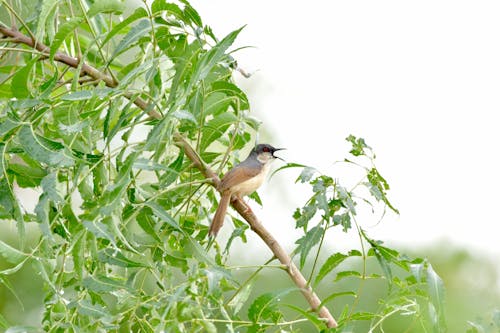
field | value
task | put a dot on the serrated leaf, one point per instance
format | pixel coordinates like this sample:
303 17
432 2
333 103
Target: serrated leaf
106 7
48 6
50 187
102 283
344 274
339 294
162 5
26 175
86 308
8 199
63 32
7 125
241 298
77 95
137 14
100 230
184 115
265 307
163 215
232 93
307 242
42 213
192 14
140 30
20 81
10 254
215 128
147 223
358 145
330 263
311 316
115 257
363 316
211 58
306 174
147 164
44 150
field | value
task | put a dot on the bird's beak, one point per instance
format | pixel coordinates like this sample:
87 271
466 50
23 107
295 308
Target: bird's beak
275 150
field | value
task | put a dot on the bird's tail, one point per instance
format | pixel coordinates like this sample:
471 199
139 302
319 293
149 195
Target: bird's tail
219 214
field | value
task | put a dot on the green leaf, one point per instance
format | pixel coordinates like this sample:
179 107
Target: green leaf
137 14
306 174
8 199
344 274
211 58
171 8
27 175
363 316
100 230
48 7
42 213
140 30
20 81
106 7
358 145
339 294
436 290
307 242
78 95
378 187
147 223
311 316
265 307
231 93
62 33
215 128
115 257
86 308
7 125
192 14
50 187
103 283
44 150
241 298
11 255
163 215
332 262
184 115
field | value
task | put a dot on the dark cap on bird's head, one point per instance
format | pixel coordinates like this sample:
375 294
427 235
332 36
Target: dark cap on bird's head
265 148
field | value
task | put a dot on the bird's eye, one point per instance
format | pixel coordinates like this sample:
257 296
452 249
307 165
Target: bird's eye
266 149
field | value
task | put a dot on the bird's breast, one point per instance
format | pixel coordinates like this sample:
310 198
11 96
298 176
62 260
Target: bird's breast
250 185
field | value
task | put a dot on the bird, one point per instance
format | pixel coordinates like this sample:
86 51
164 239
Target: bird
244 179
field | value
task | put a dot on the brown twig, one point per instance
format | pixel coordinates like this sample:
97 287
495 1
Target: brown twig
19 38
278 251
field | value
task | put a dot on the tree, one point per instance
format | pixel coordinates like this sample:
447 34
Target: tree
122 121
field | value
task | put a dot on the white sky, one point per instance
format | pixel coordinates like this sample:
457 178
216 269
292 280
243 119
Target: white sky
419 80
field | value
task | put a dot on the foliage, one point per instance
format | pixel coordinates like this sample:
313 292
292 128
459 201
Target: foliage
122 213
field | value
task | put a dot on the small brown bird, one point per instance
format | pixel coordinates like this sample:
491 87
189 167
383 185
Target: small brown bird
243 180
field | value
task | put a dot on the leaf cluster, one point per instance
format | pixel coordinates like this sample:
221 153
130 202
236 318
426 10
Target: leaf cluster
87 123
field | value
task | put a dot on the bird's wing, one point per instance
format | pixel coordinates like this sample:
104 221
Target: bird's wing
237 175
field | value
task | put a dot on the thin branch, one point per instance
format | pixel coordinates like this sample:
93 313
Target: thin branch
61 57
278 251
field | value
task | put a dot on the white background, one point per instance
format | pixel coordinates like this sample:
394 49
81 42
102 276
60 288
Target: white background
418 80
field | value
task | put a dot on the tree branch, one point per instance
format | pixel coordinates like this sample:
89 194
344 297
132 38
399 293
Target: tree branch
19 38
263 233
